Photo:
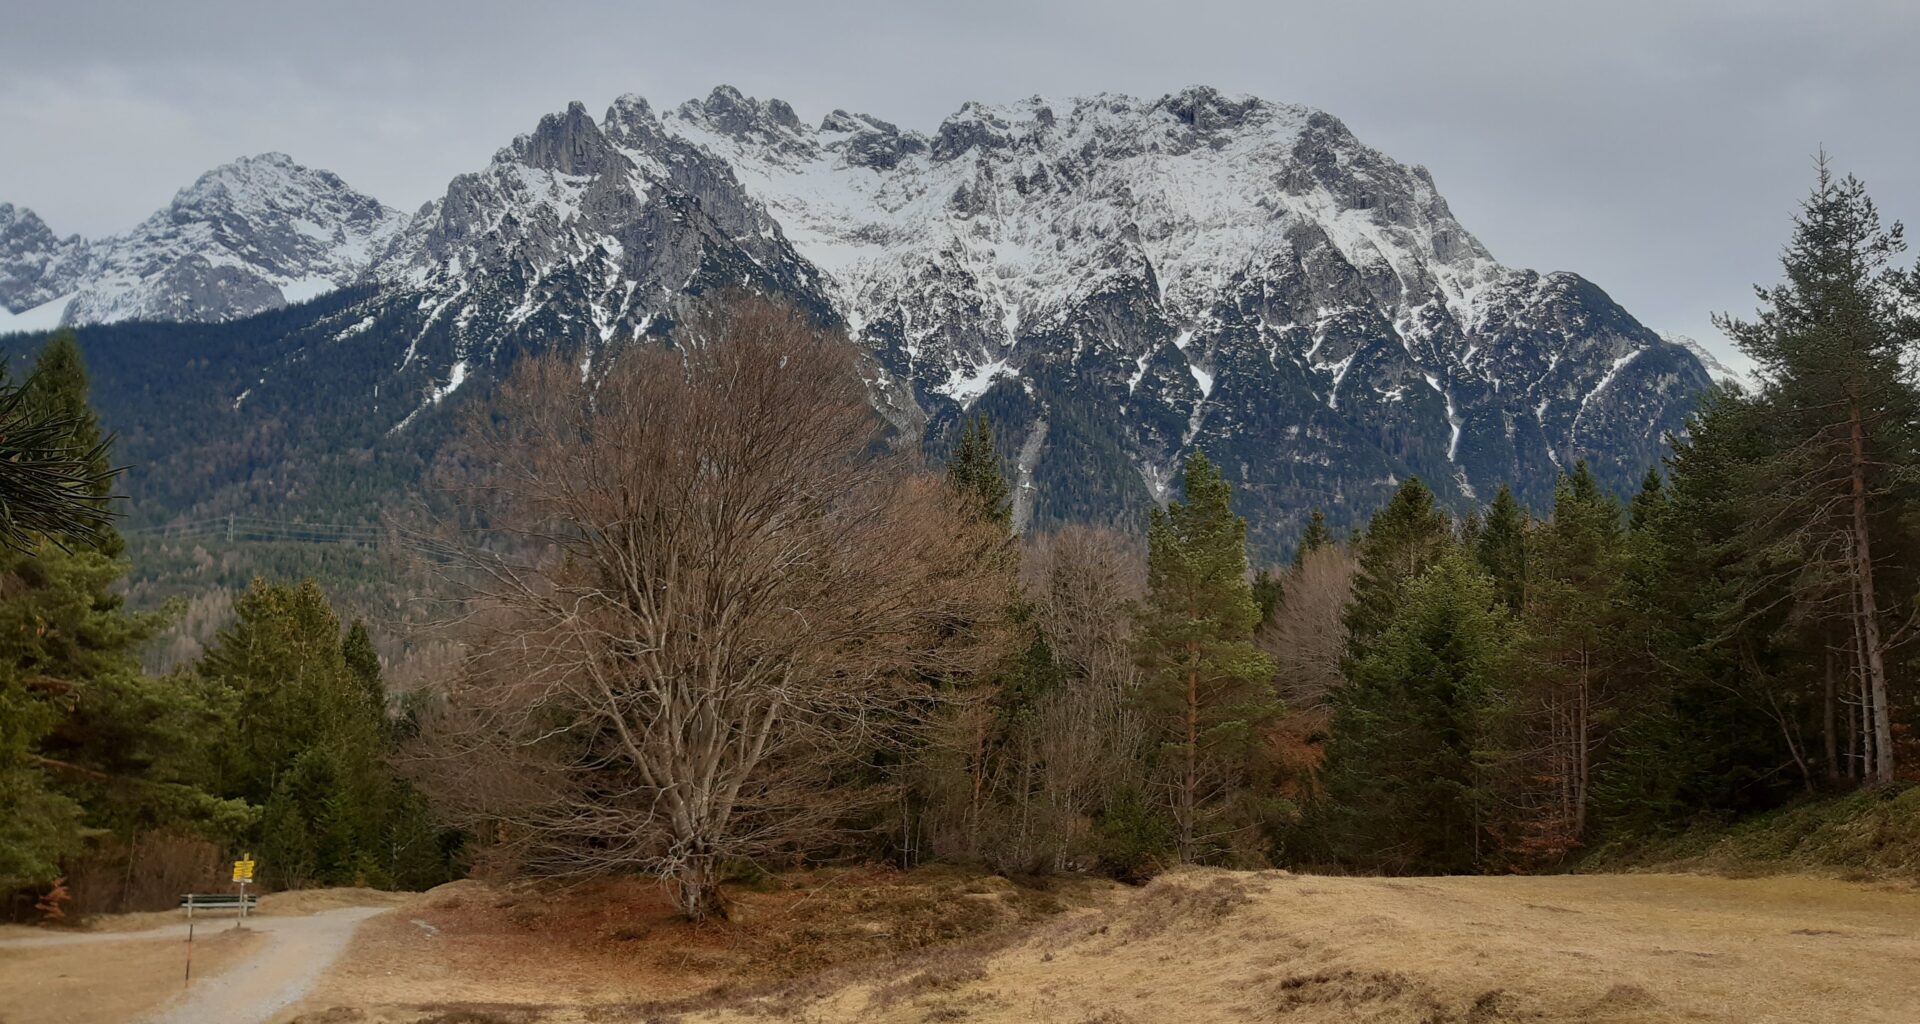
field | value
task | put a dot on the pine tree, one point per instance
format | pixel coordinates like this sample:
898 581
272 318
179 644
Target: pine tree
1402 540
1501 547
364 662
1830 344
55 471
88 743
1313 538
307 742
1402 789
1207 688
1563 674
974 469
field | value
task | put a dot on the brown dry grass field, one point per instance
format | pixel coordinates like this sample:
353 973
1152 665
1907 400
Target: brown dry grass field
1197 945
110 984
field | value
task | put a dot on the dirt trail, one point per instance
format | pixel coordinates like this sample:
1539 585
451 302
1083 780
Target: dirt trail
282 959
1203 946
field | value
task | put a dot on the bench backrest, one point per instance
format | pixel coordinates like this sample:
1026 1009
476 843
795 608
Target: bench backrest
216 899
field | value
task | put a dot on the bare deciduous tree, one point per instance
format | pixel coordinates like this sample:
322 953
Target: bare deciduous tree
1307 635
696 589
1088 737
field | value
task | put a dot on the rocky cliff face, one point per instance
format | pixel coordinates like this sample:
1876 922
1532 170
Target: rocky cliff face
33 261
1113 281
248 236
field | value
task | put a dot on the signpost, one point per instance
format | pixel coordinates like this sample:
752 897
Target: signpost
243 873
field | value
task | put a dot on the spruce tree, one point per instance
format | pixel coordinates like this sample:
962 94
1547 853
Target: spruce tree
1268 588
57 389
1314 537
1206 688
1563 674
1648 501
1501 547
364 662
1402 788
1402 540
1707 660
974 469
1831 346
306 745
993 701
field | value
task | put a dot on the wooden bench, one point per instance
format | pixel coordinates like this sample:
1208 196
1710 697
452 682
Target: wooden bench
217 901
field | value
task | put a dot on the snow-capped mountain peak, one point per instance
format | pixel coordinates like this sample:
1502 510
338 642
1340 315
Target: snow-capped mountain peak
247 236
1115 281
1195 270
30 255
1719 371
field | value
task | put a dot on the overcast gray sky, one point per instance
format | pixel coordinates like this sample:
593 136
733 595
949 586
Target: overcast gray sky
1656 147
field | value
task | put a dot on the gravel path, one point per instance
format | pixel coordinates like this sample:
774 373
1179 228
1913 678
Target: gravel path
296 951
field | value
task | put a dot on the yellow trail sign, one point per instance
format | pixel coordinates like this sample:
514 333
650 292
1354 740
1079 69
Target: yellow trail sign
243 870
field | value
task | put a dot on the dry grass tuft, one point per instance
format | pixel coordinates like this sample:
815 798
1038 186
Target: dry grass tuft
942 977
1178 900
483 1014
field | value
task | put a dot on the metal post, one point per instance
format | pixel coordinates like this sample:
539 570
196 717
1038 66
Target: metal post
189 980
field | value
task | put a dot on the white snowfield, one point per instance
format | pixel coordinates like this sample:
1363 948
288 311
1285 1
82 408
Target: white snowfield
1200 206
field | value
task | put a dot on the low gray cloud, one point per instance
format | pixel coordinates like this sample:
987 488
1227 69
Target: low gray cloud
1657 147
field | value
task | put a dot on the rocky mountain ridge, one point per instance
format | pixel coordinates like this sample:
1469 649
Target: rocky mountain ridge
248 236
1113 281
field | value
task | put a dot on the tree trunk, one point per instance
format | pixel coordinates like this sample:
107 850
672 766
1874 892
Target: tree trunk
1582 712
979 779
1869 611
698 889
1191 784
1829 708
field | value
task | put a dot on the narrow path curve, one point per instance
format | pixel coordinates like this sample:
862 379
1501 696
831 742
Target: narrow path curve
296 952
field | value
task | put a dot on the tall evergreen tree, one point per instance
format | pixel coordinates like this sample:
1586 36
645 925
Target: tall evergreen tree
996 700
1648 501
1268 588
1402 789
1314 537
1402 540
974 468
1830 344
89 745
364 662
1563 675
1501 547
1207 689
1709 726
306 743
